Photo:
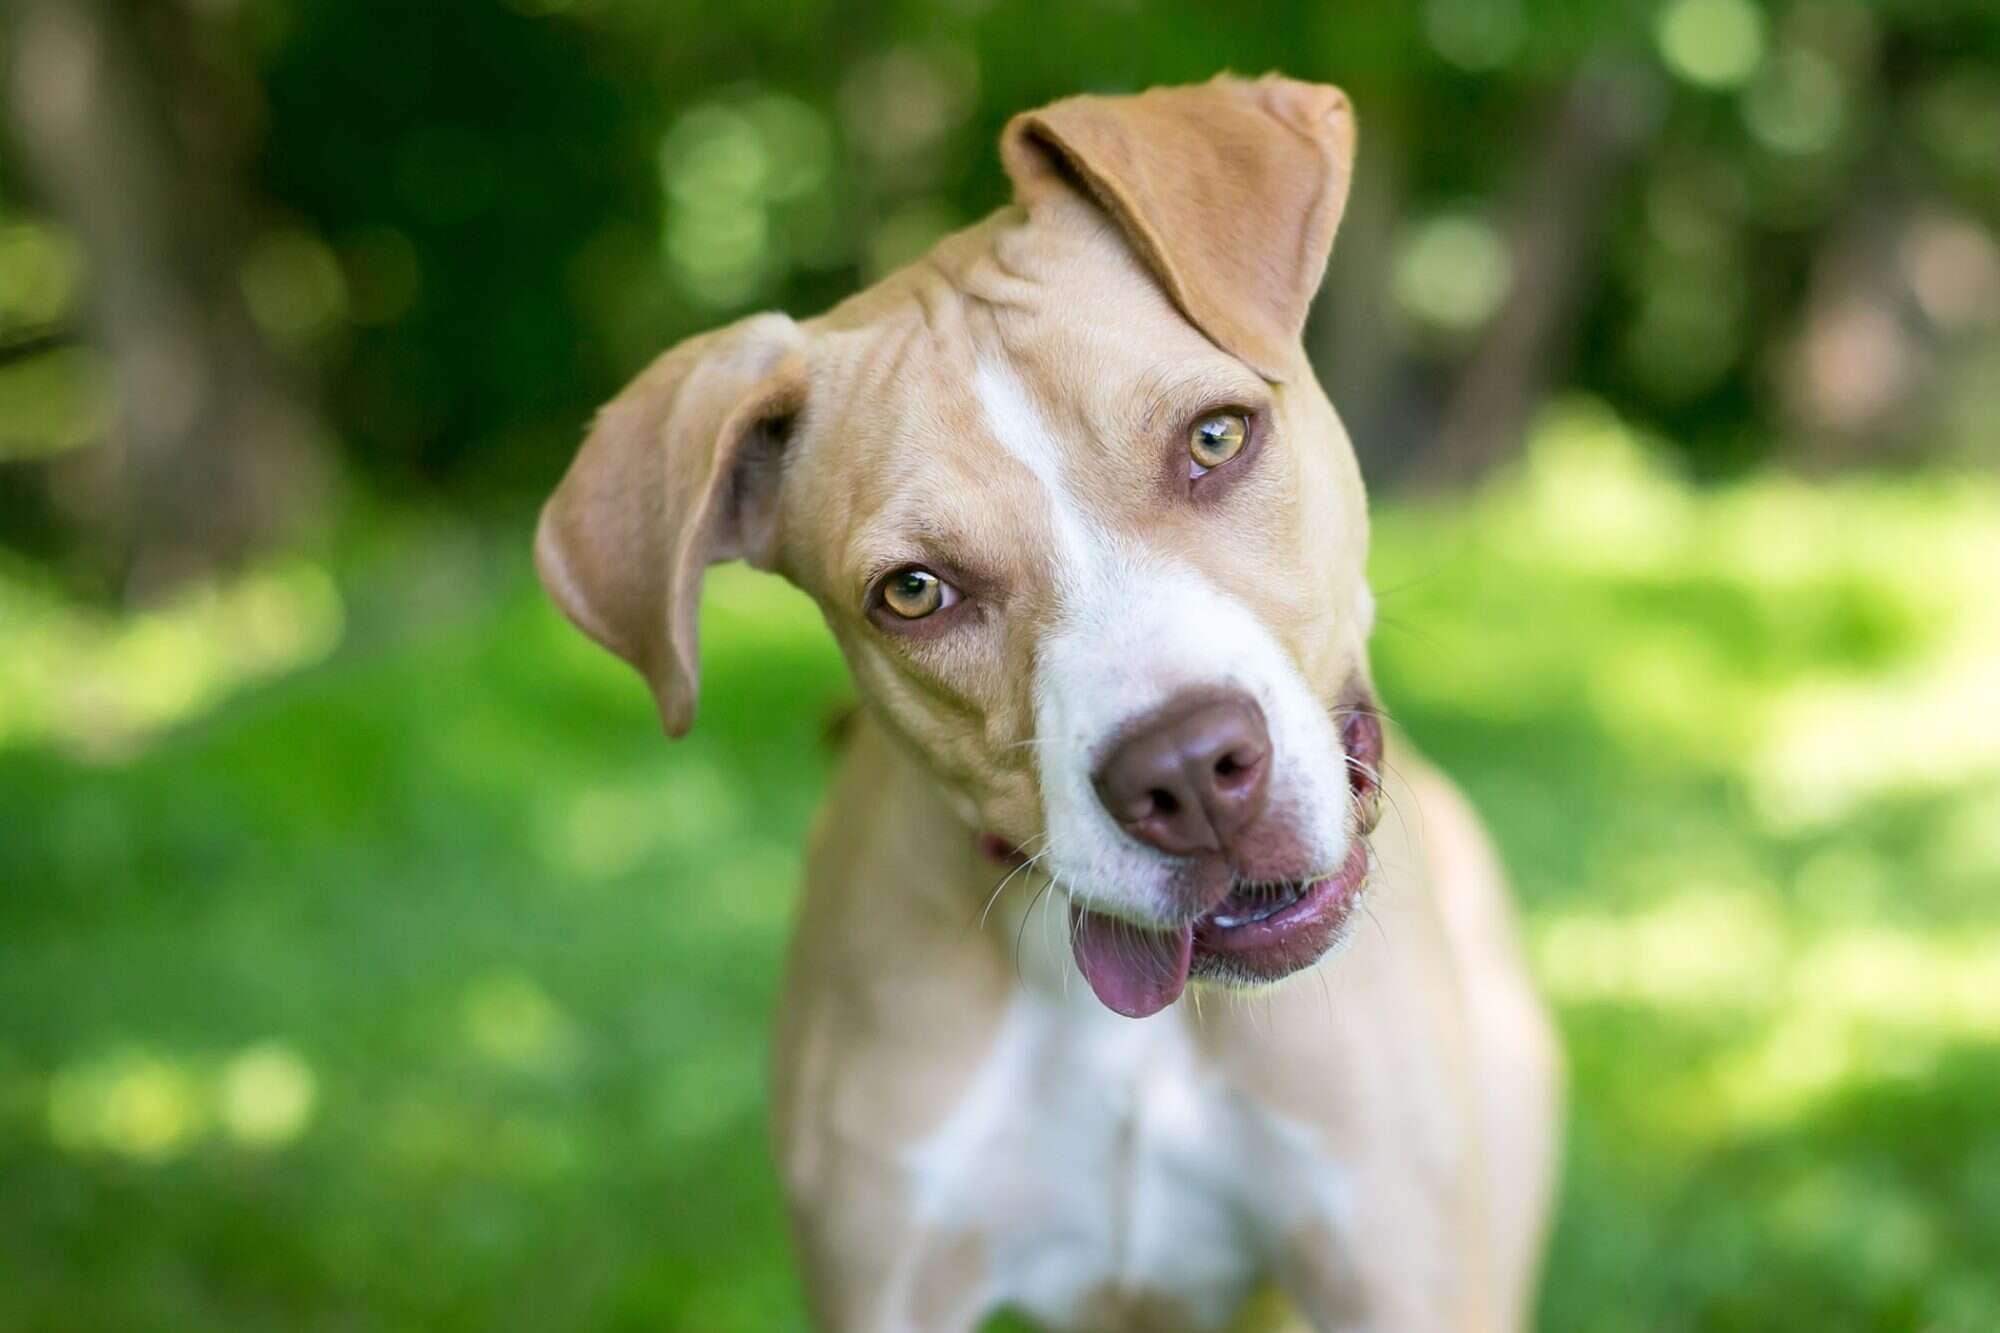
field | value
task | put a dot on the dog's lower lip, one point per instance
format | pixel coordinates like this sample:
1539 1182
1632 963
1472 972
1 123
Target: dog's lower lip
1299 908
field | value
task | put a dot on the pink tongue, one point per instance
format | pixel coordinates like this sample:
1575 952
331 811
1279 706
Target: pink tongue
1135 972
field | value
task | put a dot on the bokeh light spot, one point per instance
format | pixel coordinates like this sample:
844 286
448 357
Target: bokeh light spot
1451 273
1711 43
899 104
63 399
1952 263
41 270
724 168
797 145
1476 35
132 1104
293 285
99 684
266 1095
713 151
513 1022
1796 106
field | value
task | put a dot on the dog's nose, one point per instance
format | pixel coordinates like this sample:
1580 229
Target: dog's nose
1191 777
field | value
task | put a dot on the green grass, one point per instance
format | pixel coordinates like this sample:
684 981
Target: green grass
368 961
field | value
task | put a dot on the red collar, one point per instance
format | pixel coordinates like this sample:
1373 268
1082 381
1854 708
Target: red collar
1000 851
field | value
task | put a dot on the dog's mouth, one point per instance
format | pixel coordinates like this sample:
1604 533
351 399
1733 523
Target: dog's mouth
1258 932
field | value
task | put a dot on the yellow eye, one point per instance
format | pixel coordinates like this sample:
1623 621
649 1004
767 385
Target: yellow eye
1217 438
914 593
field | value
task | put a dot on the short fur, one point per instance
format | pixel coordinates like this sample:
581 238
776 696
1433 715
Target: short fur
960 1125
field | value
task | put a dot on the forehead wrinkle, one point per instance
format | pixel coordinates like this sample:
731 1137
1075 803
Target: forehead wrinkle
1074 392
1058 406
930 490
895 412
1000 264
1176 386
880 374
858 375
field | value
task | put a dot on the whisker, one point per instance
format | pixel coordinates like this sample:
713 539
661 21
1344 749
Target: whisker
1358 710
1021 930
1001 887
1029 743
1069 933
1380 930
1423 824
1402 626
1007 879
1374 775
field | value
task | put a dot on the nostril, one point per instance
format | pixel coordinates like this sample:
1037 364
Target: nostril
1236 769
1191 777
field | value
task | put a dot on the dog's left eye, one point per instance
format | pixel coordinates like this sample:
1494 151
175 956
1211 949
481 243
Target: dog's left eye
1216 438
913 592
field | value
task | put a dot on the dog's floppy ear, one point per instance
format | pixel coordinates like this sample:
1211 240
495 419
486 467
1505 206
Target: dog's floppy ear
679 471
1229 190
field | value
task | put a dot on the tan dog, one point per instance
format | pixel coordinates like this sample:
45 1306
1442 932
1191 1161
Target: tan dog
1092 541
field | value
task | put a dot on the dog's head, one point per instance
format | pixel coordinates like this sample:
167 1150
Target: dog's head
1084 523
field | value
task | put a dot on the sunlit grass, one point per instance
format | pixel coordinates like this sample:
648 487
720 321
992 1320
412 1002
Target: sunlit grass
96 683
1739 747
367 958
152 1107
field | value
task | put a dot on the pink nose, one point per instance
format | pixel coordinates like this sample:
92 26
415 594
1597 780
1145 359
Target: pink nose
1192 777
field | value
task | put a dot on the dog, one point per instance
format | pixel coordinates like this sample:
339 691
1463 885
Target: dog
1104 1006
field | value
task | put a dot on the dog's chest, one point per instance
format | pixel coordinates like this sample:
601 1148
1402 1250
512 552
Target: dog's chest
1114 1176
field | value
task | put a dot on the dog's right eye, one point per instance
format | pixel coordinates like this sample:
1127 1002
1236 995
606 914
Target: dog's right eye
1217 438
913 592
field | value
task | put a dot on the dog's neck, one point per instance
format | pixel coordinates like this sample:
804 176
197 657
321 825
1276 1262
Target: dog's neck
975 885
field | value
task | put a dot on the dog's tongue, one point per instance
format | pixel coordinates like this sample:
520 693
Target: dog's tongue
1135 972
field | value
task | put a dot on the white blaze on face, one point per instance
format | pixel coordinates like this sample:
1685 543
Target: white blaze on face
1135 627
1084 547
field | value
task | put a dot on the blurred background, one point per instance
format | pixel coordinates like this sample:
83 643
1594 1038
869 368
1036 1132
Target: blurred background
367 961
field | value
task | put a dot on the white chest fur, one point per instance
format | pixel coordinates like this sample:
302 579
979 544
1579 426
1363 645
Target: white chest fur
1098 1155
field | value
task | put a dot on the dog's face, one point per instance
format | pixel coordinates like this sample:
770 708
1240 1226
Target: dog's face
1088 531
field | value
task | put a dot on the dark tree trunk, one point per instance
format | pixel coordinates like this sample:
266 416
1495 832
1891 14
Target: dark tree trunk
137 142
1558 219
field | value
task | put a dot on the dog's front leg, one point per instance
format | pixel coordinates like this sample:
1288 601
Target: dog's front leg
870 1268
1334 1290
1397 1264
893 1002
872 1261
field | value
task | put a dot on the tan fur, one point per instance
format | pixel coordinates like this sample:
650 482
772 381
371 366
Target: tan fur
647 503
1189 176
1158 262
1419 1055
